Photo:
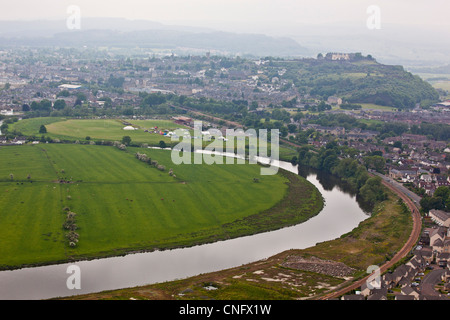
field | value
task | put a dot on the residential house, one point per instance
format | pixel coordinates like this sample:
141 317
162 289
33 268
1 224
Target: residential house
427 254
402 275
438 234
443 259
377 296
408 291
387 281
353 297
429 187
440 217
446 247
416 263
405 297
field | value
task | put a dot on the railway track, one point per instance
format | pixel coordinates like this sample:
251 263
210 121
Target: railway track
408 246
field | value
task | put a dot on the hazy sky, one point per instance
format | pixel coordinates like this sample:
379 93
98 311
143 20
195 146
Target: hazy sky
257 12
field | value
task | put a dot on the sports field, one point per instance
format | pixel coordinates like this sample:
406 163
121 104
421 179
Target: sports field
123 204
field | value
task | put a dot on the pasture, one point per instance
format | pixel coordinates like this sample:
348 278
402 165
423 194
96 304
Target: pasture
123 204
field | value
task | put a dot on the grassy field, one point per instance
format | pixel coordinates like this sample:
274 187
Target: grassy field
372 242
31 126
123 204
111 130
97 129
371 106
108 129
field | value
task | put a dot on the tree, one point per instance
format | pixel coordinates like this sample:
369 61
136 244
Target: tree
398 144
292 128
372 191
375 162
45 105
284 131
162 144
64 93
42 129
59 104
126 140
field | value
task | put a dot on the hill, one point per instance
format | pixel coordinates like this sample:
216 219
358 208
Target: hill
359 80
96 32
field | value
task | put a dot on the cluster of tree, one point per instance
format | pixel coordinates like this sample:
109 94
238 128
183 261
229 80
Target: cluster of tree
322 106
115 82
439 201
348 169
43 105
119 145
70 225
4 127
437 131
143 157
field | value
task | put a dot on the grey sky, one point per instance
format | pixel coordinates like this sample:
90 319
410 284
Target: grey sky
201 12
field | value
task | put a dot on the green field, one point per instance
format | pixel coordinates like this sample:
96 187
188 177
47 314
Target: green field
123 204
96 129
371 106
112 130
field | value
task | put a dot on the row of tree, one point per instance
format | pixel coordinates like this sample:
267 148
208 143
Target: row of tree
348 169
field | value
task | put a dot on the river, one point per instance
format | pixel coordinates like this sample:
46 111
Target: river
341 213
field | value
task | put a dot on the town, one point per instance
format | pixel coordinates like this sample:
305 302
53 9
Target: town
408 143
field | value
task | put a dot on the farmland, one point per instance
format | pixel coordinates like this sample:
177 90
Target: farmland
123 204
97 130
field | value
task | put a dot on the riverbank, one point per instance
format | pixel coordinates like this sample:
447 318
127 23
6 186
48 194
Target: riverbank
340 215
374 241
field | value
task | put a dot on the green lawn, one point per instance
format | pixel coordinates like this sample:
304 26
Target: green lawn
96 129
31 126
123 204
371 106
109 129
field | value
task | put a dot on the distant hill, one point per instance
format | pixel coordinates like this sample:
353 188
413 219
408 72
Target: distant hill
359 80
144 34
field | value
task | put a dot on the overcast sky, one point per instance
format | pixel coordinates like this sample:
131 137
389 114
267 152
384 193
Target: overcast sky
201 12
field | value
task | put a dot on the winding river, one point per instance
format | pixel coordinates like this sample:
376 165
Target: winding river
340 215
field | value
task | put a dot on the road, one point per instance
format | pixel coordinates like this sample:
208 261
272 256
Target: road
430 281
404 194
400 187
